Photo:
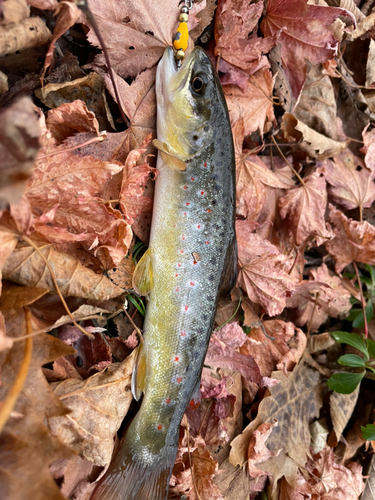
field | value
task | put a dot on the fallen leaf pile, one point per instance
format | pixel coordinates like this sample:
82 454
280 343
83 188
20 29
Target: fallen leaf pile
77 176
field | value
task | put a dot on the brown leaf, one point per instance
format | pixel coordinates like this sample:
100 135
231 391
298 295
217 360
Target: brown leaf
144 30
258 451
341 409
304 208
5 342
253 103
252 175
353 241
14 11
122 275
263 270
19 145
25 434
26 267
352 184
304 34
98 406
70 118
233 482
294 402
17 297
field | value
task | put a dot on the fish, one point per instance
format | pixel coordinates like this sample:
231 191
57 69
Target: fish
190 262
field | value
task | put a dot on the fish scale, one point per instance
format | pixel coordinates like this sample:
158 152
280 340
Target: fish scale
193 216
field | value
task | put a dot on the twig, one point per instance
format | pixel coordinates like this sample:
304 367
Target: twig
132 322
362 299
286 161
30 242
312 314
16 388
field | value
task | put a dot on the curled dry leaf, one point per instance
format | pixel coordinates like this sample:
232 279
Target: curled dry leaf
98 406
263 270
353 241
294 402
305 33
304 208
26 267
19 145
341 410
258 451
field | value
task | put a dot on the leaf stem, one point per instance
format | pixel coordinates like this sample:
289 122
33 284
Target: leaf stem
286 161
362 299
30 242
18 384
100 138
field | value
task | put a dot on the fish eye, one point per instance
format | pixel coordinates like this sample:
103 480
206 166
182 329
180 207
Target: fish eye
198 84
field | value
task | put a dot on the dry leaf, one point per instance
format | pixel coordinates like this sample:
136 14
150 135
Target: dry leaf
263 270
98 406
294 402
26 267
353 241
341 409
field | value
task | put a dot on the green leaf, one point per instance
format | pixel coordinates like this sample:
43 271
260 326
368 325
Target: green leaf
371 271
359 321
368 432
345 383
351 360
139 305
353 314
352 339
367 281
371 348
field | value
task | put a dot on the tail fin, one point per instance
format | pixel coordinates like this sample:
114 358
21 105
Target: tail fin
128 479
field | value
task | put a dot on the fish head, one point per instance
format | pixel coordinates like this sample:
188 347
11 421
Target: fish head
187 102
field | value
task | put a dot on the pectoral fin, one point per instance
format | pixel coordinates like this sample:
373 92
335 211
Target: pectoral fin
143 281
139 373
229 276
171 161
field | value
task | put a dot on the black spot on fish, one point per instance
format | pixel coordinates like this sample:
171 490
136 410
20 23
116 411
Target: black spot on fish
213 260
211 277
214 202
210 298
205 317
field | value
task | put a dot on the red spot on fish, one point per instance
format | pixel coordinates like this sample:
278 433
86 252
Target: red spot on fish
205 164
192 283
199 226
179 264
193 405
209 210
183 237
177 359
185 214
185 187
187 203
195 262
186 308
202 193
177 289
207 242
159 427
176 275
167 401
174 225
192 178
181 251
179 380
183 334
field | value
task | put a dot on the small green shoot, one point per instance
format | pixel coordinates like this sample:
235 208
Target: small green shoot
138 303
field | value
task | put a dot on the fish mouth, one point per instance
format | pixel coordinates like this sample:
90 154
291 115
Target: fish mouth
167 68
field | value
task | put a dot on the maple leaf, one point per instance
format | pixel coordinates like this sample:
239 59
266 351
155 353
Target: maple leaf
98 406
254 103
25 434
144 28
353 241
296 397
234 20
263 270
304 32
252 175
304 208
352 184
27 267
132 201
19 145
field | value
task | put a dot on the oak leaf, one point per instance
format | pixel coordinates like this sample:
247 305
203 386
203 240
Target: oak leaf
26 267
98 406
263 270
294 402
353 241
253 103
145 30
252 175
305 33
304 208
351 183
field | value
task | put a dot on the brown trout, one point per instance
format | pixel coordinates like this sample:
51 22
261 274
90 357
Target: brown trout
192 257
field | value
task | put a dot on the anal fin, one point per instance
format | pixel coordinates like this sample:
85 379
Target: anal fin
229 275
143 280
